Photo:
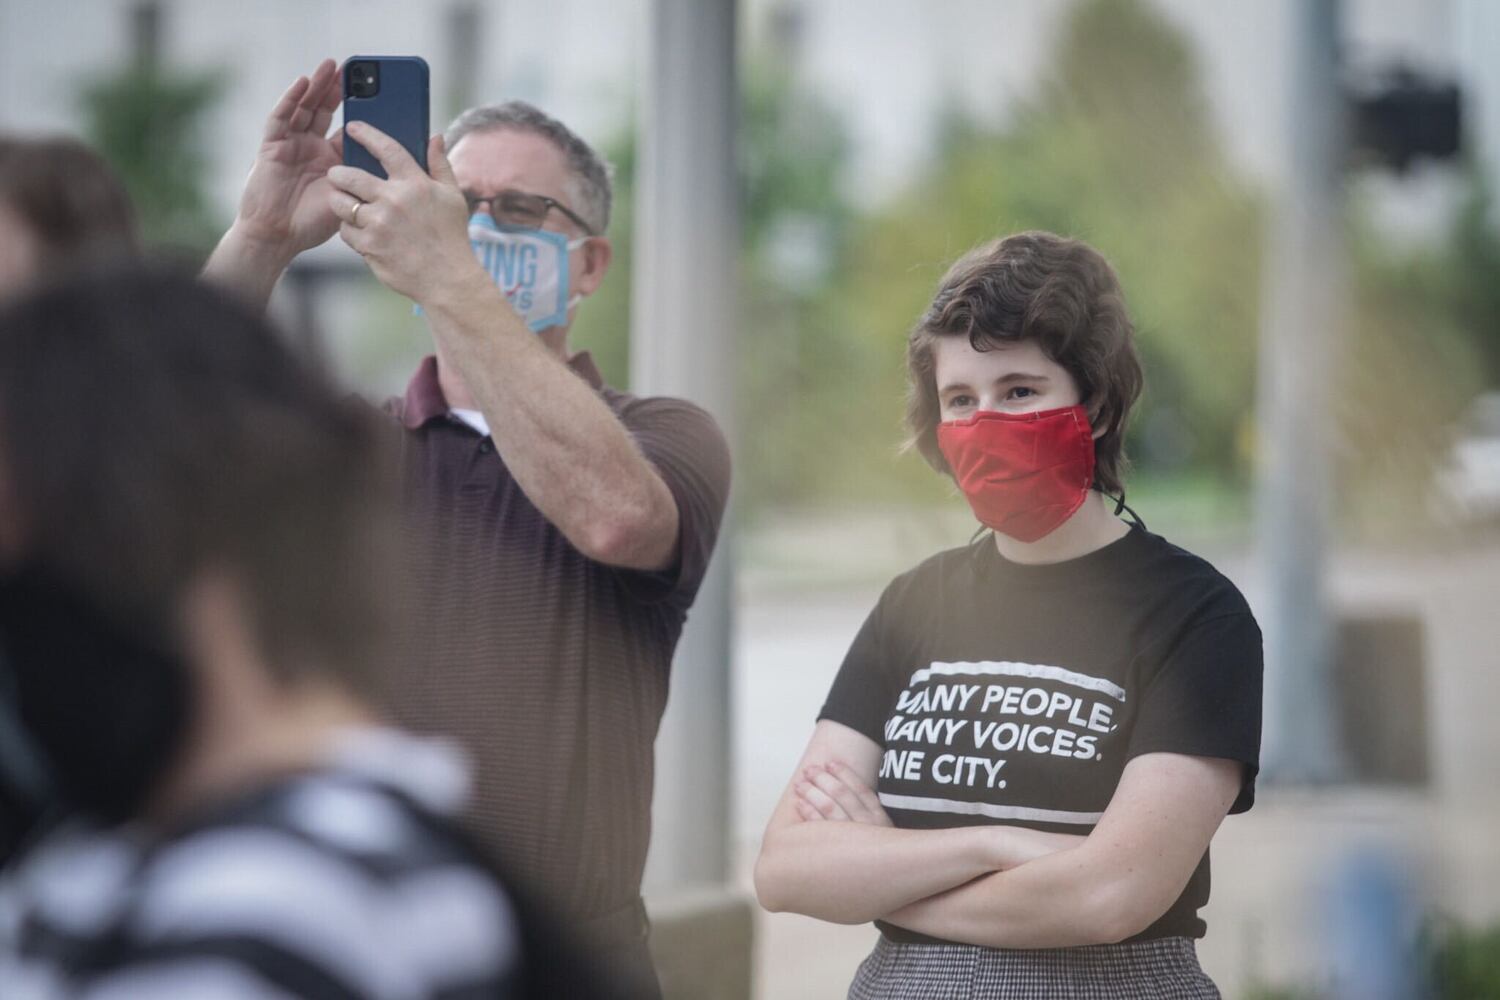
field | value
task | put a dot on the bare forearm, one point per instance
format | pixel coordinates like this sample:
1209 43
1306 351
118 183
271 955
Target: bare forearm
852 872
1057 901
565 447
247 267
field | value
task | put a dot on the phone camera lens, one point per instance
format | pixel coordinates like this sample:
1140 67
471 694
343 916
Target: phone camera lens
364 79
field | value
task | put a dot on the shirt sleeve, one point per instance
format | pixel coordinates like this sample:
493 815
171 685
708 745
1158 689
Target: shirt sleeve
687 449
1206 699
861 694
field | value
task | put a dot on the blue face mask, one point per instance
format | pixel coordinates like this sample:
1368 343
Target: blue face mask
529 265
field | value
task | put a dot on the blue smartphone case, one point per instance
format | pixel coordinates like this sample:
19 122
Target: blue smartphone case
399 109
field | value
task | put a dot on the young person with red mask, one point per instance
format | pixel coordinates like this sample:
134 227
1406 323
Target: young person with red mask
1033 737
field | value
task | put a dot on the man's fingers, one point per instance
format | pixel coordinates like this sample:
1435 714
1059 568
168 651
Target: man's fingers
396 160
356 238
359 183
322 118
347 207
335 92
337 139
281 114
324 80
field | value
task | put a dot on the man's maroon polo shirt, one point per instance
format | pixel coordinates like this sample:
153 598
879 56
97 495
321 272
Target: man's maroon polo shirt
549 667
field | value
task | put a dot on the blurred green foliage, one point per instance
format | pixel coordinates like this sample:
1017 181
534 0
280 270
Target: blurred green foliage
148 124
602 326
1116 146
1421 341
1465 961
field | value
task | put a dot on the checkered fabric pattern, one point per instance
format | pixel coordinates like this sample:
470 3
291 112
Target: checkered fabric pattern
1162 969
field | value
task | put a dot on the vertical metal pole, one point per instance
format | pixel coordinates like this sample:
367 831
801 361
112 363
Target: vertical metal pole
145 35
1300 323
682 338
465 30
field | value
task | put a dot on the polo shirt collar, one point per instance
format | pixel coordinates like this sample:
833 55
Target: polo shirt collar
424 398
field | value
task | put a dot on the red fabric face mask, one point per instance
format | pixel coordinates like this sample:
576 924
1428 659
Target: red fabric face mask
1024 474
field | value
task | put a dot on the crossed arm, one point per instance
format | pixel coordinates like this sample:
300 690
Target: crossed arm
565 447
830 852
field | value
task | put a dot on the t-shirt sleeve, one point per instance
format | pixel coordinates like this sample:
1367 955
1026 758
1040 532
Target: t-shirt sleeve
687 449
861 694
1205 700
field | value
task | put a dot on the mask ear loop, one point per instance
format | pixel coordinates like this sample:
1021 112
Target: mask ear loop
977 551
1134 517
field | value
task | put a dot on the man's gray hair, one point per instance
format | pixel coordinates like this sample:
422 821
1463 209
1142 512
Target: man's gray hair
591 189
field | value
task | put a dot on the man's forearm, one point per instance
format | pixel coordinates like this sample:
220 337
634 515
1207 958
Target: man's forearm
851 873
247 267
565 447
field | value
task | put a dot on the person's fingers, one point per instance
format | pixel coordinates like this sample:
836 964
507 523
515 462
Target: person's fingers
437 161
347 207
807 812
335 91
324 80
332 94
309 106
392 156
281 114
322 118
835 789
352 180
866 794
357 238
337 141
821 801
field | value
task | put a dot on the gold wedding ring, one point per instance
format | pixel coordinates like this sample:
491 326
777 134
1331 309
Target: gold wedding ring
354 215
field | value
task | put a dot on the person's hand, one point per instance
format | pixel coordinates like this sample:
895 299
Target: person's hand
411 227
285 204
832 791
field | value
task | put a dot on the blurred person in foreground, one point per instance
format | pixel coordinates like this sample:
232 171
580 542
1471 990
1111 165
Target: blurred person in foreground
1033 737
563 527
61 206
194 534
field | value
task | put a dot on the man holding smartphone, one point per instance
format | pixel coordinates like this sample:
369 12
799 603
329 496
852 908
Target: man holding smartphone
562 528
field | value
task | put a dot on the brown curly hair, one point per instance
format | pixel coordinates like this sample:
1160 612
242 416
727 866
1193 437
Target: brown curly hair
1061 293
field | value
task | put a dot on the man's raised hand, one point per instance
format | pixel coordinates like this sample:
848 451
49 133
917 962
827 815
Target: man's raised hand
285 204
410 226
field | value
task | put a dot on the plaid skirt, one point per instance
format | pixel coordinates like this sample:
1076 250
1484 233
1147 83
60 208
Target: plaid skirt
1162 969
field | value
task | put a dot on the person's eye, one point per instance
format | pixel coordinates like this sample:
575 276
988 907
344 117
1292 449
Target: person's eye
960 402
1021 392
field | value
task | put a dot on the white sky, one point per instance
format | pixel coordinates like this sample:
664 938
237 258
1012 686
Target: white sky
886 65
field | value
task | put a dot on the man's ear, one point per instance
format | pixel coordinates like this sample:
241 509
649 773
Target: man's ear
597 254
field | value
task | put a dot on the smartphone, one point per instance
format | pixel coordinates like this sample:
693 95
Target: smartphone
391 93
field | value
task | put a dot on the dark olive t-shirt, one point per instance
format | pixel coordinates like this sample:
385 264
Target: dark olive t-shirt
1008 693
549 668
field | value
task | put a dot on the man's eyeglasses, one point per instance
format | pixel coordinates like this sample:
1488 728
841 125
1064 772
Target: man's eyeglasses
520 208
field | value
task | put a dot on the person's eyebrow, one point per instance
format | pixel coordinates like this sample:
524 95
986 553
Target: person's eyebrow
1002 380
1020 377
